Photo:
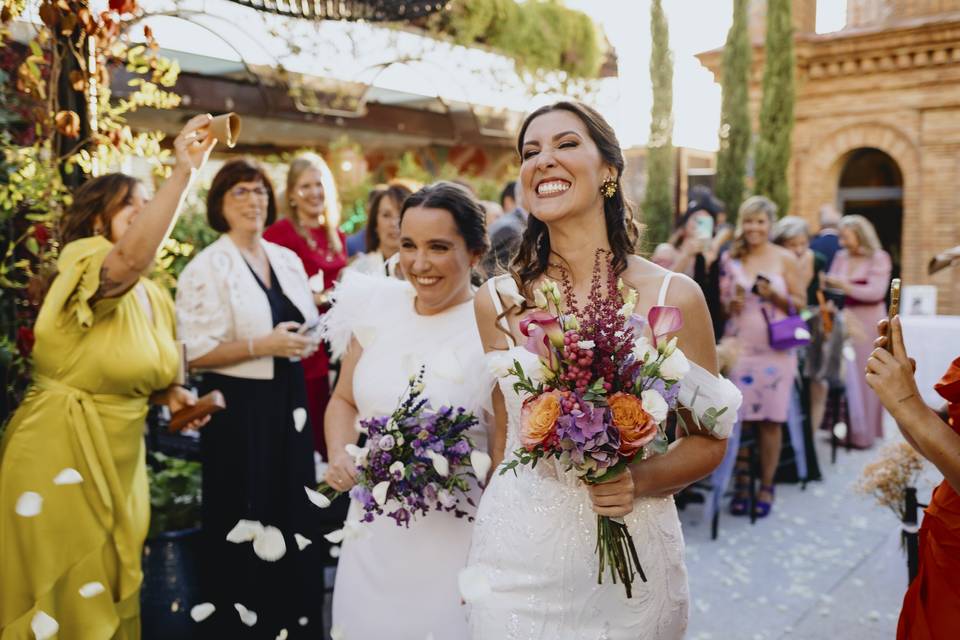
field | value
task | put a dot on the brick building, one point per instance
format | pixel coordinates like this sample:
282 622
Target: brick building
878 124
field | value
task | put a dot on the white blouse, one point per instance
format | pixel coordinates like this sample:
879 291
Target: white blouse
219 300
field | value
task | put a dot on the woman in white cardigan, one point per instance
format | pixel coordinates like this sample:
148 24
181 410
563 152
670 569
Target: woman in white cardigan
245 310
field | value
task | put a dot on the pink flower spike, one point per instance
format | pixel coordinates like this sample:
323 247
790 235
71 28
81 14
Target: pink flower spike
663 321
549 323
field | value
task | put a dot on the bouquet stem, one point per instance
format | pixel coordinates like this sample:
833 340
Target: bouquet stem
615 549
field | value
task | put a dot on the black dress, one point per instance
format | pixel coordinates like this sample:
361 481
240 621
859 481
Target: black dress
255 467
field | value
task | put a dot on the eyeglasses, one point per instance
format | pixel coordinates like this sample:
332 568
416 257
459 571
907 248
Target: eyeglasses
241 193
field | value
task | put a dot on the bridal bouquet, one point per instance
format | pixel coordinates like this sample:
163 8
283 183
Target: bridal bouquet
599 396
414 460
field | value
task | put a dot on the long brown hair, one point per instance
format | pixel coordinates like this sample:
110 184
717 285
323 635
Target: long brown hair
97 200
331 200
397 193
623 232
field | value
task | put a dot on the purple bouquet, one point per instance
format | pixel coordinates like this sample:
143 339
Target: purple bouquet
413 460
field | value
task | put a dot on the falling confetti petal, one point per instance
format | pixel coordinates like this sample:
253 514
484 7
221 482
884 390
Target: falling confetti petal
269 545
317 498
336 537
302 541
201 612
473 584
245 531
304 621
68 476
334 551
336 633
840 430
29 504
247 617
91 589
299 418
282 635
43 626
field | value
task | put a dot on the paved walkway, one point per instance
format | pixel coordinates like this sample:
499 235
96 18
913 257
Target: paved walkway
825 564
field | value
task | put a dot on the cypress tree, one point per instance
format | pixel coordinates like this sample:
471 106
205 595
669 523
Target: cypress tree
735 132
658 205
776 110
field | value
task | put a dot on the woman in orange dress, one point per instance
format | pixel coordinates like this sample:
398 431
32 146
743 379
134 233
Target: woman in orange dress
931 607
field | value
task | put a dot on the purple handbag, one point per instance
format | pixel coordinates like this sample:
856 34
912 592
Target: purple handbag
788 333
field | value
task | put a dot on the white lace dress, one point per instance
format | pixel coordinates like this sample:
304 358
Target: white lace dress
533 562
396 582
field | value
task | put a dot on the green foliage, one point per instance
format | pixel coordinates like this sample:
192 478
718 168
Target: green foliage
189 237
541 36
658 206
175 495
776 110
735 132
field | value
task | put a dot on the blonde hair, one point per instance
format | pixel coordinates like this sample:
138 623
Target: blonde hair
863 229
751 206
331 199
790 227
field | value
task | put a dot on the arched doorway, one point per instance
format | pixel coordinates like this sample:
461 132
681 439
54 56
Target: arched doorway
871 184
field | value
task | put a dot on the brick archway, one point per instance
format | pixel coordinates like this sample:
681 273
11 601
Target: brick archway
819 175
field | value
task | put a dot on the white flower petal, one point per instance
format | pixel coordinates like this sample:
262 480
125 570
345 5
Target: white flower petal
334 551
380 492
302 541
303 621
29 504
68 476
316 282
244 531
507 288
43 626
473 584
202 611
675 366
282 635
654 404
480 462
247 617
299 418
397 467
336 633
499 363
270 545
359 454
586 344
317 498
91 589
840 430
440 464
336 537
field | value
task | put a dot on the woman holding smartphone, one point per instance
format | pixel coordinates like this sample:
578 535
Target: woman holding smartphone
240 304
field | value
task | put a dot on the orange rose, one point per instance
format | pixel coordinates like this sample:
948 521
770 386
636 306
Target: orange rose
538 419
637 427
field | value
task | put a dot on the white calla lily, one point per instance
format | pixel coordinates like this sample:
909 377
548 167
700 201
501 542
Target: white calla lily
317 498
43 626
269 545
29 504
68 476
440 464
380 492
299 418
202 611
480 462
247 617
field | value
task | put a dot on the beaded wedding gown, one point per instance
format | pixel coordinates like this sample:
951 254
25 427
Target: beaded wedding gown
532 572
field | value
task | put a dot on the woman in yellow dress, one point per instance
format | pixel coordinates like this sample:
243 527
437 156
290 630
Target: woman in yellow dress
74 501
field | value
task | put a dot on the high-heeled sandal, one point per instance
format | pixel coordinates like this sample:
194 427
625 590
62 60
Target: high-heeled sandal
764 507
740 504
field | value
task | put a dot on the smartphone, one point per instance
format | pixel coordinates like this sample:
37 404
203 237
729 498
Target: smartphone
755 290
704 227
892 311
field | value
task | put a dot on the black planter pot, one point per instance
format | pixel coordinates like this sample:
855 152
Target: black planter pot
170 585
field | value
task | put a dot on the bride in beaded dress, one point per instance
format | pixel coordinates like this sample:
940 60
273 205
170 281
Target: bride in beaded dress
532 571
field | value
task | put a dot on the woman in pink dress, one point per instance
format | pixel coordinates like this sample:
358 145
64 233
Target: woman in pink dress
760 279
861 270
311 210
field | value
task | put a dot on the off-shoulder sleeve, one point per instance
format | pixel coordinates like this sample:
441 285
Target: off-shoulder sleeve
77 281
361 304
707 395
204 319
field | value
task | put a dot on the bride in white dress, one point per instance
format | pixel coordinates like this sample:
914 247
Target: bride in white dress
532 571
397 582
